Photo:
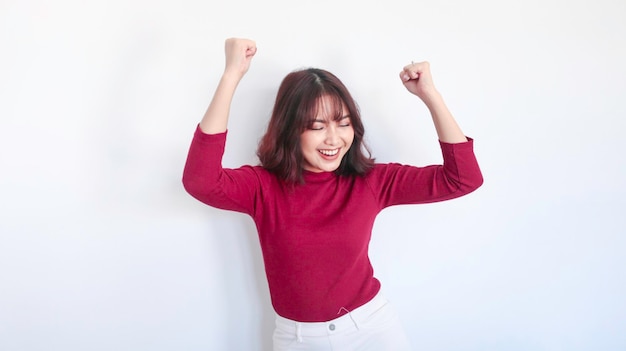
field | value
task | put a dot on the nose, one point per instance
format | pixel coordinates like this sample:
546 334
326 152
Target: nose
332 135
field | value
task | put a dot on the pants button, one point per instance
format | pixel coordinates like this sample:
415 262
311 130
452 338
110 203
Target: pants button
331 327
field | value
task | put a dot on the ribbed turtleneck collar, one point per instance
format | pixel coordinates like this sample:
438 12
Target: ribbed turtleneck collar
317 177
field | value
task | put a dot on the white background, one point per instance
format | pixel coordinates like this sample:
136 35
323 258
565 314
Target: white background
101 248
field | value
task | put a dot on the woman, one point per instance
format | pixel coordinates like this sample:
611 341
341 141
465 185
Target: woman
315 196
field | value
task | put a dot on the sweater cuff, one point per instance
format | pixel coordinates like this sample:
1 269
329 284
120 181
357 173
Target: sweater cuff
463 145
203 137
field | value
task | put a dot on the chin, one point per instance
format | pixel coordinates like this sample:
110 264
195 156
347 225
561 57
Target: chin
332 168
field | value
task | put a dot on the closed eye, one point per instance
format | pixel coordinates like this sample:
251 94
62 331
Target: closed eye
317 126
344 121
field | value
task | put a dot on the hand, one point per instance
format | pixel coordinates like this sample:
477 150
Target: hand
417 79
239 53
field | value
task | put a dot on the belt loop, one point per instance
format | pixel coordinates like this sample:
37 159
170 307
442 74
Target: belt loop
299 332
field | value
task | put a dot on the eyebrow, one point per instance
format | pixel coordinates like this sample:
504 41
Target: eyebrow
334 119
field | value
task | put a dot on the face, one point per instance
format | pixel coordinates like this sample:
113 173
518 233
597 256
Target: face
328 140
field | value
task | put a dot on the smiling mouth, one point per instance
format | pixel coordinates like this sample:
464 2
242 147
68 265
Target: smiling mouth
329 152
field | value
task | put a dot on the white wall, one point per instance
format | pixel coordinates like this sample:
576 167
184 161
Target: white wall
101 248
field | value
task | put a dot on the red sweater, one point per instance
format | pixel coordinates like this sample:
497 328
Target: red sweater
315 237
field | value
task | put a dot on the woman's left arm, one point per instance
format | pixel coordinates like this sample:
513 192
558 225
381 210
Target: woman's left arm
418 80
395 184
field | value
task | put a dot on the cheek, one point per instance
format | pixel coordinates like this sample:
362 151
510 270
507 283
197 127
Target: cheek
308 142
350 137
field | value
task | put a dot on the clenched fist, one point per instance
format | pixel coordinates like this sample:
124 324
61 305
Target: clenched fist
239 53
417 79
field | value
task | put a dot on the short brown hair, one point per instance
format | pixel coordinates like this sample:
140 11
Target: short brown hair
294 110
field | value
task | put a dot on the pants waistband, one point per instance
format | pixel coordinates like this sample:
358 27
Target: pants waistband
351 320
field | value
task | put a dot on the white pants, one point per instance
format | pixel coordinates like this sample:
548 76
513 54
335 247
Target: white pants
374 326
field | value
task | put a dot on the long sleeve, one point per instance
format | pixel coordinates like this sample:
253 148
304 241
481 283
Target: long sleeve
395 184
315 236
205 179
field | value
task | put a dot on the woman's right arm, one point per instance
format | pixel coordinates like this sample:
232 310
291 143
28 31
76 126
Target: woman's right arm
239 53
203 177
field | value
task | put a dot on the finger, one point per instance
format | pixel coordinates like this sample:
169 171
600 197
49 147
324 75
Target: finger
251 51
413 74
418 66
408 74
421 67
412 70
405 76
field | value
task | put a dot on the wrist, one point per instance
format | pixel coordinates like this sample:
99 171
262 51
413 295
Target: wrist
431 99
231 76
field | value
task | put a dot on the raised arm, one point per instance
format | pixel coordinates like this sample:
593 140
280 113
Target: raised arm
417 79
204 177
239 53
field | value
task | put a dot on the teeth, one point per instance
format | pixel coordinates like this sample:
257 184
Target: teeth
329 152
